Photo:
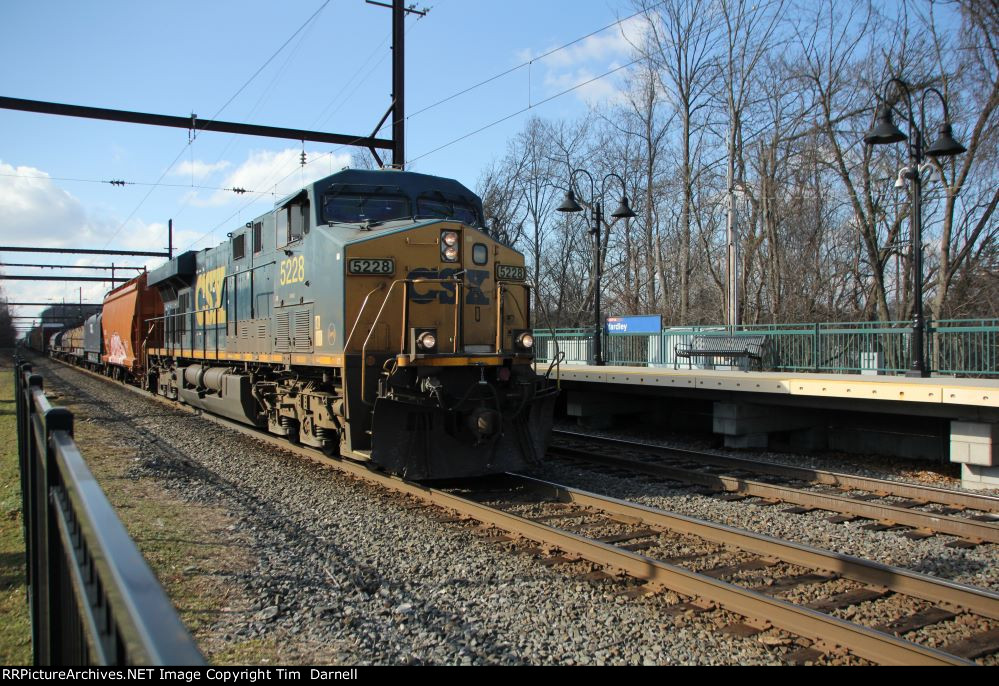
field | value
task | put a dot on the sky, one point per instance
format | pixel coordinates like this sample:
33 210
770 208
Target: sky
224 59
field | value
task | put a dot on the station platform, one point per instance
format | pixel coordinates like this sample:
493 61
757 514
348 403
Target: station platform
942 418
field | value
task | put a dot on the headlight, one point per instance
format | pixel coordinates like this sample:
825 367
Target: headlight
525 341
450 254
449 238
427 340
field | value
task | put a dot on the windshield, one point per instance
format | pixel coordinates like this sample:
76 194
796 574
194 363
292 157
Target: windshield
356 208
443 209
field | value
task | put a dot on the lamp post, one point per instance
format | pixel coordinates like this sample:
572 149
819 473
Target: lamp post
569 204
885 132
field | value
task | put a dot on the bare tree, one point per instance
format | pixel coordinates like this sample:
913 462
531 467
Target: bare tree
681 46
969 76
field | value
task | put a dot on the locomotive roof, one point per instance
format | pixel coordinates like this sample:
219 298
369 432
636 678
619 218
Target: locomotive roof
410 184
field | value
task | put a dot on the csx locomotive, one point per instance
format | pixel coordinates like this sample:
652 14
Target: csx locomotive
368 314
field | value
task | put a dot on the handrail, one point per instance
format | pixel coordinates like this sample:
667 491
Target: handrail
956 347
357 320
501 287
458 300
93 599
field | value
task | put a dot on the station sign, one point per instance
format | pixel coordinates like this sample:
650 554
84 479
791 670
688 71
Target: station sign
643 323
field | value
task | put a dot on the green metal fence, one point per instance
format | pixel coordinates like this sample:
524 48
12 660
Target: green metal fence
964 347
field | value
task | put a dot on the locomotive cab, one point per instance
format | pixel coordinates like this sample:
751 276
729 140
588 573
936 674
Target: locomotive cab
368 314
438 315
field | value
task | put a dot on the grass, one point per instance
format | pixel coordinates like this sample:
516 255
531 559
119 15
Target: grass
190 547
15 623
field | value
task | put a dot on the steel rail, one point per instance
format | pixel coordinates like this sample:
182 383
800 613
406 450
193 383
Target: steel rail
826 630
930 494
968 529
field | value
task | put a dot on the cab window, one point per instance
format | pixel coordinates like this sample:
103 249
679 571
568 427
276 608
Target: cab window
238 246
443 209
292 222
356 208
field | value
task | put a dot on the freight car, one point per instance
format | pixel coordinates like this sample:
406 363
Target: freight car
93 342
39 337
127 328
369 314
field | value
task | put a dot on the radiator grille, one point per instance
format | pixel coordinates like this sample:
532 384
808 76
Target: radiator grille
303 331
282 338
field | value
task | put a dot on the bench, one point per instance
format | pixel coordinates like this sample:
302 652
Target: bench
752 348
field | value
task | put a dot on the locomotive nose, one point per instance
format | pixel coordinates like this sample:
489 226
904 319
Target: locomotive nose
484 422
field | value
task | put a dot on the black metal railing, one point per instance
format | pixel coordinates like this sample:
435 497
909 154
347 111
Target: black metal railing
93 599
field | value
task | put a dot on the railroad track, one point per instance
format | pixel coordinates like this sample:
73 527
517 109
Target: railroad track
917 511
772 584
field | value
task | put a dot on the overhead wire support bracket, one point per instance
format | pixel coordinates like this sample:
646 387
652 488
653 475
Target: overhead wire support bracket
99 279
52 304
84 251
69 266
190 122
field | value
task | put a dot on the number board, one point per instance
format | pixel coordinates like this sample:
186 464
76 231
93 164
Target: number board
365 265
509 272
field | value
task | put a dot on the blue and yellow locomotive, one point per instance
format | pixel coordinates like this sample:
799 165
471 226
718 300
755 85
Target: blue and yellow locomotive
368 314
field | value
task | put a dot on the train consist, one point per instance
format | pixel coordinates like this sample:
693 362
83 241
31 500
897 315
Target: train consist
369 314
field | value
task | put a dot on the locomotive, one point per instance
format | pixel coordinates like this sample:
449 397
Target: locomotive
368 314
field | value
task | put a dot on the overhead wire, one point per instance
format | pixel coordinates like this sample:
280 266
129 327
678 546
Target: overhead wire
525 109
548 53
327 155
323 117
188 198
118 182
215 116
531 61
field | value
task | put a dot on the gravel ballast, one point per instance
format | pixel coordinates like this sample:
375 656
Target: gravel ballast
345 572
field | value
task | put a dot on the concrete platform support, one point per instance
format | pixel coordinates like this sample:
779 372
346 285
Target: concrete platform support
598 410
745 425
973 446
898 441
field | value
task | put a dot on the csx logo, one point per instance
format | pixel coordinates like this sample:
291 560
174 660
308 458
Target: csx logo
443 293
208 297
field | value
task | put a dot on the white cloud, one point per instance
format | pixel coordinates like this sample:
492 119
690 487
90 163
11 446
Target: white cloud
273 172
198 169
34 212
593 56
602 90
605 46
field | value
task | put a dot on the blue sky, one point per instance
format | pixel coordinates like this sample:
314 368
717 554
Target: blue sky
182 57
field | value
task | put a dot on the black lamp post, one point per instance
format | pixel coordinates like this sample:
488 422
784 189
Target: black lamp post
569 204
884 132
